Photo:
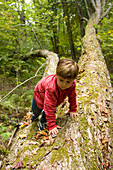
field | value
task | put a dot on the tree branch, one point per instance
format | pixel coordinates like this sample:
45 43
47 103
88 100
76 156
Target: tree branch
107 11
32 31
94 5
85 19
98 4
103 6
98 9
87 8
23 82
35 35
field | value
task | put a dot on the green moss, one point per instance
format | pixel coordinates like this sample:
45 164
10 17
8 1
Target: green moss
58 154
40 154
25 159
33 147
35 158
83 123
32 130
25 148
75 164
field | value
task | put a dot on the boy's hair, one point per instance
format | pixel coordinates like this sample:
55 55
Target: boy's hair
67 68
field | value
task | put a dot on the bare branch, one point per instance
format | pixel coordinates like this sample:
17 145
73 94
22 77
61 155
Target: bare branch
94 5
35 35
84 19
98 4
32 31
12 136
103 6
98 9
107 11
23 82
87 8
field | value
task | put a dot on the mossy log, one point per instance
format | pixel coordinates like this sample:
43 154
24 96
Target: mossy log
84 142
51 61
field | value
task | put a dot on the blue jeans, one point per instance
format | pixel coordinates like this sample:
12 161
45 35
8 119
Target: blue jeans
37 111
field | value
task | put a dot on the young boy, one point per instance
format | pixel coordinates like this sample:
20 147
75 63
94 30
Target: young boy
51 91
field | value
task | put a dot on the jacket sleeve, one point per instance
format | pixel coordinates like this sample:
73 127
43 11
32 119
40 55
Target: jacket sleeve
50 102
72 99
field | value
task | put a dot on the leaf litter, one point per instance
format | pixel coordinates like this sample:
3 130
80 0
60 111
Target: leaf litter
42 138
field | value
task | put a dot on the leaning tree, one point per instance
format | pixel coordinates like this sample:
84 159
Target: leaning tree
84 142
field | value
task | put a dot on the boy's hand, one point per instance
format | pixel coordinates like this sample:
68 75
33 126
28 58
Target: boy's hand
73 114
54 131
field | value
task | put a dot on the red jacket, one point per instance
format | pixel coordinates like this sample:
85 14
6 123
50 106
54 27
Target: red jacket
48 96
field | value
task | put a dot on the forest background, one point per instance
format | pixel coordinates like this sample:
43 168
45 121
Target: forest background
57 26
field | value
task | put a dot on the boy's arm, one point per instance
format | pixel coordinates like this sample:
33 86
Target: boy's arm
72 100
50 103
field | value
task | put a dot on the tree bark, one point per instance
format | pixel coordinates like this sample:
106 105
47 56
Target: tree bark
84 142
82 30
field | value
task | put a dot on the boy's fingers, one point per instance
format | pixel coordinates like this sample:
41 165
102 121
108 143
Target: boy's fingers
75 115
50 132
53 131
71 115
59 127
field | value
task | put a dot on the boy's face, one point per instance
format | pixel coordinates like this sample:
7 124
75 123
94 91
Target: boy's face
64 83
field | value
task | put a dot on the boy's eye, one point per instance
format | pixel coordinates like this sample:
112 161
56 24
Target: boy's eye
68 81
61 80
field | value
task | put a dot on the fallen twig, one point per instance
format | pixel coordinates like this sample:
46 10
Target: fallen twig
12 136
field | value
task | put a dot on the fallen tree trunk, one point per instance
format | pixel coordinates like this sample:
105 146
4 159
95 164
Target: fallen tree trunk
84 142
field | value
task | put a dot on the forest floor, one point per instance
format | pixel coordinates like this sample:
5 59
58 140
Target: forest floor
12 110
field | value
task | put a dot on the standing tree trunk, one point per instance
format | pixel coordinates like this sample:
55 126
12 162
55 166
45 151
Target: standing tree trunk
82 30
55 38
69 30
